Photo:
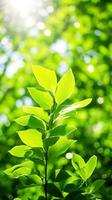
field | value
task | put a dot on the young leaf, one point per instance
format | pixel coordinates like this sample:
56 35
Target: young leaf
42 98
22 171
31 121
59 147
65 87
45 77
31 137
90 166
75 106
77 161
37 111
61 130
27 164
19 151
53 190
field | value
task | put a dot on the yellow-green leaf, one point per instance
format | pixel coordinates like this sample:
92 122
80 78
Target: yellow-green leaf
22 171
28 164
31 137
31 121
77 161
65 87
37 111
42 98
76 105
19 151
45 77
90 166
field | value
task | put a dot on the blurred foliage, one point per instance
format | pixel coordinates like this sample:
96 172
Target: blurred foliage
73 34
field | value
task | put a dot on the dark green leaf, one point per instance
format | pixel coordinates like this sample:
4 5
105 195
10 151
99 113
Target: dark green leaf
59 148
62 175
61 130
53 190
50 141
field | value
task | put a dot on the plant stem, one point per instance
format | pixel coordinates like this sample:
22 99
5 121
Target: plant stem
46 151
46 159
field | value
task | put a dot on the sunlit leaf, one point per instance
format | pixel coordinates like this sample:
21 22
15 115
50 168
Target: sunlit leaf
28 165
75 106
77 161
65 87
19 151
37 111
31 121
31 137
22 171
90 166
36 179
45 77
42 98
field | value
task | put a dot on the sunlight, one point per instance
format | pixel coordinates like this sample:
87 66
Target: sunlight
23 6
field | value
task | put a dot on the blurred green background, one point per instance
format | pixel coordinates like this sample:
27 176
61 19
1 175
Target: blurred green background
58 34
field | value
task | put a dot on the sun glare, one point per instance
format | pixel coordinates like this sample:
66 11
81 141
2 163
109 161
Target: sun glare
24 7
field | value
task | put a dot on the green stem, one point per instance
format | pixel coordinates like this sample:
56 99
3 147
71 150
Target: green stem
46 183
46 151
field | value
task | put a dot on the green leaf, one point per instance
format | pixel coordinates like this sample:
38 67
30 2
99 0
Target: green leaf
37 111
75 106
65 87
50 141
36 179
53 190
42 98
96 185
22 171
31 121
31 137
59 148
19 151
76 194
77 161
61 130
62 175
45 77
90 166
12 170
84 170
70 187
